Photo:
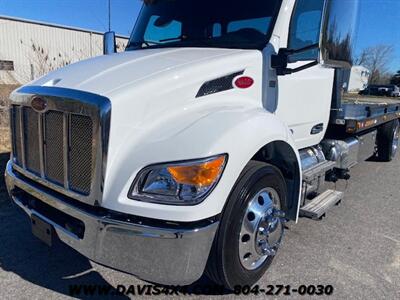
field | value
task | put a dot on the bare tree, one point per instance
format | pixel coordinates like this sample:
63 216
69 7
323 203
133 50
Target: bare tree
377 60
396 78
5 91
44 63
361 60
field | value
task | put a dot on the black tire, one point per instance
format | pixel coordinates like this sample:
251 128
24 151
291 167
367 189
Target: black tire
224 266
385 141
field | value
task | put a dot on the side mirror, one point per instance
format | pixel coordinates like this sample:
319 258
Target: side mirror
336 46
280 61
338 33
109 43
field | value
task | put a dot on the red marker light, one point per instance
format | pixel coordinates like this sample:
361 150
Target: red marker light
244 82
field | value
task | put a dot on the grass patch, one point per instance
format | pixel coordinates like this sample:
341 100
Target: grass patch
5 91
4 140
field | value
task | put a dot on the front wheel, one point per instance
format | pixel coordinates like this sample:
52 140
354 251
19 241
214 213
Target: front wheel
251 228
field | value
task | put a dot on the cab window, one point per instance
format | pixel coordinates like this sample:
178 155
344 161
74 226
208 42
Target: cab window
162 30
259 24
305 27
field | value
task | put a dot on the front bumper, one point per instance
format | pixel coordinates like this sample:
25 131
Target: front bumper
166 255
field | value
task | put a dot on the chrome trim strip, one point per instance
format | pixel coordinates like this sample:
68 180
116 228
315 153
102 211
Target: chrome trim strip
79 102
66 150
12 131
41 148
22 135
50 185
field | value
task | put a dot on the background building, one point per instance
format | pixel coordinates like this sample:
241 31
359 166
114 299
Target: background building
30 49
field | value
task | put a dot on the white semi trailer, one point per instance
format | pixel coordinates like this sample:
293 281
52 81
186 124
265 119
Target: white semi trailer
188 152
358 79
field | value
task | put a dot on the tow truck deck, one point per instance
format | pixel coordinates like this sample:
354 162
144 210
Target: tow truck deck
361 113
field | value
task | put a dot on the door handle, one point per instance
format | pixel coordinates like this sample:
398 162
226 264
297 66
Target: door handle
317 129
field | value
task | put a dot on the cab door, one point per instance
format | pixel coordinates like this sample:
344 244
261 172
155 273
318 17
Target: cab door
304 98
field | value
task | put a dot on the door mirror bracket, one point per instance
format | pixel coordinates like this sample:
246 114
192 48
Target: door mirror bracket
280 61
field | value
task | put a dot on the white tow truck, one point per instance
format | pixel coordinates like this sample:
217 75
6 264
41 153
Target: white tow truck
187 153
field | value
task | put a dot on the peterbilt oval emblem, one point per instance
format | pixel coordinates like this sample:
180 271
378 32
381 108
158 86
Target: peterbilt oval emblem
39 104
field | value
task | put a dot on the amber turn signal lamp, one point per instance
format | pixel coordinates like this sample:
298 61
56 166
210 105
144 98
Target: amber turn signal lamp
202 174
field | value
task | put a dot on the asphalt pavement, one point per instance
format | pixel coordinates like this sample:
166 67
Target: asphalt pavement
355 249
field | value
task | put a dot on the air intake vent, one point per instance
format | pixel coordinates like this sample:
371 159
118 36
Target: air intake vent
218 85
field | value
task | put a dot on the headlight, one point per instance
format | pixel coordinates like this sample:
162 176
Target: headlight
182 183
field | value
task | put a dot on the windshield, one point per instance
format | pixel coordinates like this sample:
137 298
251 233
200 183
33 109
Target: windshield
205 23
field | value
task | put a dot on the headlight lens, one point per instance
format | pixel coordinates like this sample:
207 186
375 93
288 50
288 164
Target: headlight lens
185 183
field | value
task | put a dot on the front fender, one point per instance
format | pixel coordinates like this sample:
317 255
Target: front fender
241 132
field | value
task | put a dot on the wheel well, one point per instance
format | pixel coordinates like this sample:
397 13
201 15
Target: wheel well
282 156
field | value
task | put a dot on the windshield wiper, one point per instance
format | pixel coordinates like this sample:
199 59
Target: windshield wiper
181 38
147 43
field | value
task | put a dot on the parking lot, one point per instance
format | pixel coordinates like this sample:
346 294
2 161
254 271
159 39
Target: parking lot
356 249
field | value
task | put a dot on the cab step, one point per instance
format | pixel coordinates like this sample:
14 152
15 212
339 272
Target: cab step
318 170
316 209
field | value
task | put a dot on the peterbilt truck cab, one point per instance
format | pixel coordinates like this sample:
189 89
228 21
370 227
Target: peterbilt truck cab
187 153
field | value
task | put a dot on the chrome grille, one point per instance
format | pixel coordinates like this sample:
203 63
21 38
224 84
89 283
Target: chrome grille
80 155
56 146
68 140
16 134
31 128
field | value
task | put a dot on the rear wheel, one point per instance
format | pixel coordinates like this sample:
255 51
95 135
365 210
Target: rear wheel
388 141
251 227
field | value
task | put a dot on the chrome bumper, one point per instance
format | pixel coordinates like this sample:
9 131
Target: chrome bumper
168 256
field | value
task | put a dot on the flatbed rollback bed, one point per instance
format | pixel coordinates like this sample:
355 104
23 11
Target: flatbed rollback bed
361 113
360 128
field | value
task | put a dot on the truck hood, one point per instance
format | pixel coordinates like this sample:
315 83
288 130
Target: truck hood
154 84
156 115
153 100
106 74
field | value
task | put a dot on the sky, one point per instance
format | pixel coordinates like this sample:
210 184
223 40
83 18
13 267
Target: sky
379 19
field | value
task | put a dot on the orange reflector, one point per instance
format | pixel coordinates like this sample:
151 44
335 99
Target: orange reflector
203 174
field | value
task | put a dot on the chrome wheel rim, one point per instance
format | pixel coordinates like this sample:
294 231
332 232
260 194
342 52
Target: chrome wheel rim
396 136
261 230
